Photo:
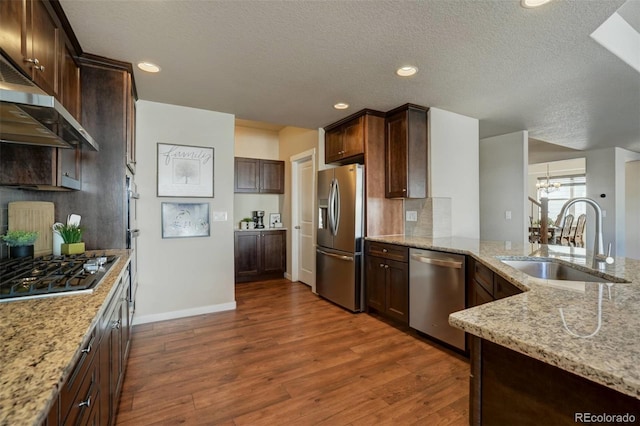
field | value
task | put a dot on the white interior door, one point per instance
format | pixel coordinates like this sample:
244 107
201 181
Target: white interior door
303 206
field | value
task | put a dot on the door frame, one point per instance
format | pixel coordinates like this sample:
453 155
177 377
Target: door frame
295 243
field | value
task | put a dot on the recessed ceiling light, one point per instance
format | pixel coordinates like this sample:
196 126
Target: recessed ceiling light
407 71
148 67
341 105
530 4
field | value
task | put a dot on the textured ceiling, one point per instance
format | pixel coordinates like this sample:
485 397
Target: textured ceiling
288 62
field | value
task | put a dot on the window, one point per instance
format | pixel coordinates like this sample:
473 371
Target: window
571 187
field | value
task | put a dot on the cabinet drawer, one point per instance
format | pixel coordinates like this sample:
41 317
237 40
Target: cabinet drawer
388 251
484 276
73 383
77 394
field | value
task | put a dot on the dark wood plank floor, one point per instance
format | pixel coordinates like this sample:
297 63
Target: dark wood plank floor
286 356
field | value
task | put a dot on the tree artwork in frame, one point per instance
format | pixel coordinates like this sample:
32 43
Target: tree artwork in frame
182 220
185 171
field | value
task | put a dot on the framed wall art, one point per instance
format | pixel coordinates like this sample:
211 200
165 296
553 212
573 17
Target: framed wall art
185 171
183 220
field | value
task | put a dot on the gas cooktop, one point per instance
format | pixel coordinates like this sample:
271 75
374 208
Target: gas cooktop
47 276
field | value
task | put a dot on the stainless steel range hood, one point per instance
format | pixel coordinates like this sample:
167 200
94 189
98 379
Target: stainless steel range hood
30 116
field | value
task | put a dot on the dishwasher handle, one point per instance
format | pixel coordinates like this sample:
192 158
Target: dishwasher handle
438 262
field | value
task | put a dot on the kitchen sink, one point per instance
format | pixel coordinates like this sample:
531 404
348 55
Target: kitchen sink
550 270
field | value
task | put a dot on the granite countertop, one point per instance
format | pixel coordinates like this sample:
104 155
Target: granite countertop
589 329
40 342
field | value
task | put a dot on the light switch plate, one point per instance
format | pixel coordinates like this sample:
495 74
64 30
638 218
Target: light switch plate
219 216
412 216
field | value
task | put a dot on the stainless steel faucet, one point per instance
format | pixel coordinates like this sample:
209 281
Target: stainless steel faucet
600 255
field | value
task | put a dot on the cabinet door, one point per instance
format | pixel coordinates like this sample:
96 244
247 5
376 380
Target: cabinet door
70 83
396 155
271 176
247 259
502 288
480 295
375 283
13 31
273 252
44 48
353 138
397 290
247 175
333 145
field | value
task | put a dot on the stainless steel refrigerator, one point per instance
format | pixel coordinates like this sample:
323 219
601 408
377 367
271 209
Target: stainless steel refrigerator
340 235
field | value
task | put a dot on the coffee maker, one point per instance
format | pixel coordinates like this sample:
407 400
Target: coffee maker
258 219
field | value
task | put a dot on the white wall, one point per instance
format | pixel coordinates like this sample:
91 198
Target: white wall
606 176
454 168
183 276
632 207
503 187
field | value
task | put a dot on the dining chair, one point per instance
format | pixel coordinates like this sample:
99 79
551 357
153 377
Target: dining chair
580 225
566 229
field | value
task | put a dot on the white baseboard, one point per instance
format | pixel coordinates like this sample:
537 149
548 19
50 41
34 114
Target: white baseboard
183 313
288 276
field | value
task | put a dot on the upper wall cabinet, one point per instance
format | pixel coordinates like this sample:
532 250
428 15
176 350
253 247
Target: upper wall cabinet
345 140
406 151
257 176
30 36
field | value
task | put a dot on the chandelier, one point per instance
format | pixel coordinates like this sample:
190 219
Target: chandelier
548 186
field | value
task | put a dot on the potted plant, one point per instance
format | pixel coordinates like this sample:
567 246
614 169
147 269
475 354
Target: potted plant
20 242
246 223
72 239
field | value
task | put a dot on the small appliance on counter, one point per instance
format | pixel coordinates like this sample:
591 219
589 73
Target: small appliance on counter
258 219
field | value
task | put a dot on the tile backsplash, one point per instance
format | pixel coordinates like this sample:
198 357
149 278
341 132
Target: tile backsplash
433 217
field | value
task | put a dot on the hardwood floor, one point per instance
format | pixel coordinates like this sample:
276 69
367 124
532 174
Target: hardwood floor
286 356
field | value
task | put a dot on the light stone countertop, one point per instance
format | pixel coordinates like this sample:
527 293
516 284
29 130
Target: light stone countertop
40 343
531 322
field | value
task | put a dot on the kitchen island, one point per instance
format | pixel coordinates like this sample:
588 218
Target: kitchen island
41 341
530 323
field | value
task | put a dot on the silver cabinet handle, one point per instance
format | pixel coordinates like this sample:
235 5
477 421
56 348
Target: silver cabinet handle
87 350
336 256
437 262
86 403
116 325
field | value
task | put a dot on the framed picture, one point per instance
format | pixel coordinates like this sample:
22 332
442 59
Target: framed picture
274 220
182 220
185 171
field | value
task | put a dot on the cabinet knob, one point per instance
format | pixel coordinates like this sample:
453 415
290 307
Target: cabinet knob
384 250
404 189
382 265
386 266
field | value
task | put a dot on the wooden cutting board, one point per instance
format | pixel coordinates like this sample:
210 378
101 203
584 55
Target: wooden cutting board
34 216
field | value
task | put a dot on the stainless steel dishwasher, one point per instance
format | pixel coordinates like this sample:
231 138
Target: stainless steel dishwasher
436 289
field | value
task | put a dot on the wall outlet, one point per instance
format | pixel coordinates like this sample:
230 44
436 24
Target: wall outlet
507 214
507 245
412 216
219 216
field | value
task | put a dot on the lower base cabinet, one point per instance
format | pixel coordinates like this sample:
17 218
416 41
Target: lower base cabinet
514 389
387 280
260 255
91 392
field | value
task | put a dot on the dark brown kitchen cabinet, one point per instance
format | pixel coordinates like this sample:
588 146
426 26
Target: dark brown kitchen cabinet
387 280
70 95
258 176
347 141
514 389
260 255
91 393
406 151
487 286
30 36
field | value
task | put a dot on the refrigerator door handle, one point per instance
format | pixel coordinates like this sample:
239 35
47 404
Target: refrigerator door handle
330 207
336 256
336 216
